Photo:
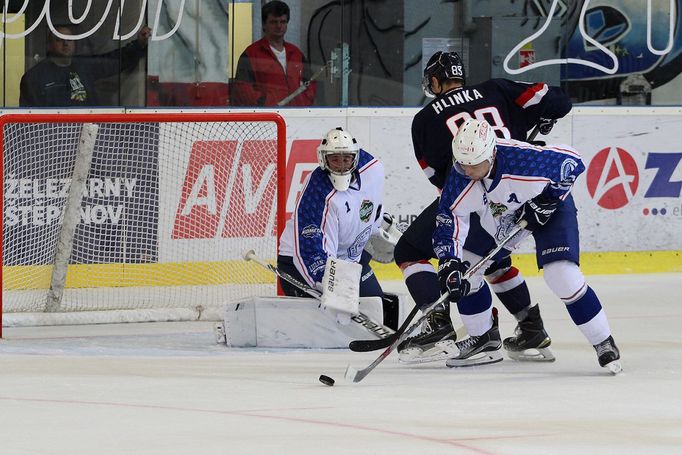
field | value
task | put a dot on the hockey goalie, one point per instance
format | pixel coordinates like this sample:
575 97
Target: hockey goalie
336 228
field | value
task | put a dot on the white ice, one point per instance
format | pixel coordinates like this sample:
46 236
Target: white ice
169 389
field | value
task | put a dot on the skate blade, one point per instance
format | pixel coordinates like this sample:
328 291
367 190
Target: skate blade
614 367
532 355
440 351
482 358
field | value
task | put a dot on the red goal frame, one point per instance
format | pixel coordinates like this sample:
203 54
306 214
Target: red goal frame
177 117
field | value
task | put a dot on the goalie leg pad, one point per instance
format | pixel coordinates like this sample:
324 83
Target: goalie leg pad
287 322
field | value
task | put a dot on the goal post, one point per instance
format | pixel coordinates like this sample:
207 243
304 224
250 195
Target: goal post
137 217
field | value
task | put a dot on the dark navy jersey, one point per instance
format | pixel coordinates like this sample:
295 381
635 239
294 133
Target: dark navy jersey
511 109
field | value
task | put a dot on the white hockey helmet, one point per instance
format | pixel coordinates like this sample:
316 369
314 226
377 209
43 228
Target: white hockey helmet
338 142
474 143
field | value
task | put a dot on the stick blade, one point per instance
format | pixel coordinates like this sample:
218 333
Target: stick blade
249 254
351 374
371 345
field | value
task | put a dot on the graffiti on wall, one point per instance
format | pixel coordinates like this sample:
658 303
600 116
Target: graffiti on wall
79 18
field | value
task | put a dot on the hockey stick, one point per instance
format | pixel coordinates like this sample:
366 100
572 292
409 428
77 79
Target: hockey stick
302 88
355 375
374 345
377 329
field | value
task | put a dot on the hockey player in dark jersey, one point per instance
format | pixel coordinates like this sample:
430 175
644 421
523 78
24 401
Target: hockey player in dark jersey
512 109
503 183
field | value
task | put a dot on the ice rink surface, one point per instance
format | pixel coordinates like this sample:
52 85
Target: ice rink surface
169 389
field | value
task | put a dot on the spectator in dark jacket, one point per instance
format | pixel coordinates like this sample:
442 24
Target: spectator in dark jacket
62 80
270 69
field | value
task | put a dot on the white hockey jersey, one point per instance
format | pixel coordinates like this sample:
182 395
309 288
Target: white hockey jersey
326 222
522 172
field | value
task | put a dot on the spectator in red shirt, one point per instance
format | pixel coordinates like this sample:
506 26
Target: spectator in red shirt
270 69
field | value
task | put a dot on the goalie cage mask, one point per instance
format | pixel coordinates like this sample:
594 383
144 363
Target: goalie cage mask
442 66
338 142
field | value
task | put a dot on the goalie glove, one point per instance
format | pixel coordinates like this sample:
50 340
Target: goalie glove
537 211
450 277
545 125
382 244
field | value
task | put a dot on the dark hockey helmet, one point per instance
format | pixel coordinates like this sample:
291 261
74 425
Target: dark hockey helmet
442 66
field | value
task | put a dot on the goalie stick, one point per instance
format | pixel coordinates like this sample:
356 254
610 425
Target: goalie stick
377 329
355 375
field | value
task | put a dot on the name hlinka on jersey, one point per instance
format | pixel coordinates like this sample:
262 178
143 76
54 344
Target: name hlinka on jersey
456 97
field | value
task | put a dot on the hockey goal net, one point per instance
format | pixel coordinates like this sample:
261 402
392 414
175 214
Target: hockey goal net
137 217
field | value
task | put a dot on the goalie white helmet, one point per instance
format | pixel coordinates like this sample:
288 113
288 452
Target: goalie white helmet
339 142
474 143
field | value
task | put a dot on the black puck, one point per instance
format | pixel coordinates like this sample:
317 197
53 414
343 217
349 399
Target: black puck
326 380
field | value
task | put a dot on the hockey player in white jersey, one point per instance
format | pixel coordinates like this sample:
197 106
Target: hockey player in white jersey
338 211
504 182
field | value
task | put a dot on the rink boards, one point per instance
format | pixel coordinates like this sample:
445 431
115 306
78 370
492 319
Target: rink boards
629 198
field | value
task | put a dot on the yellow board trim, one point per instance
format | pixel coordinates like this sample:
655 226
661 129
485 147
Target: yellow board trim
612 263
81 276
239 272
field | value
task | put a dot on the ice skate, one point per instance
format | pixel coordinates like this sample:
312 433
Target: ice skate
609 355
478 350
435 342
530 341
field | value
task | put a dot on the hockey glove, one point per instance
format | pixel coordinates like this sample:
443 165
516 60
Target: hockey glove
545 125
537 211
450 277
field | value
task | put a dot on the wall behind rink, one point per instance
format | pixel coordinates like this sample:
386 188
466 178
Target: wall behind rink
629 198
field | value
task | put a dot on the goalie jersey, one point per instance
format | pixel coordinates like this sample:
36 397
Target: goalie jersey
511 109
522 171
327 222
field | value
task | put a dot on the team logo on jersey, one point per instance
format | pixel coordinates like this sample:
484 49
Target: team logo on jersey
497 209
567 168
366 209
442 220
311 231
506 225
355 250
612 178
317 265
444 250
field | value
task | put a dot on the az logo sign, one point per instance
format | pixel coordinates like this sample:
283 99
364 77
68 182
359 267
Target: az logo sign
613 177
